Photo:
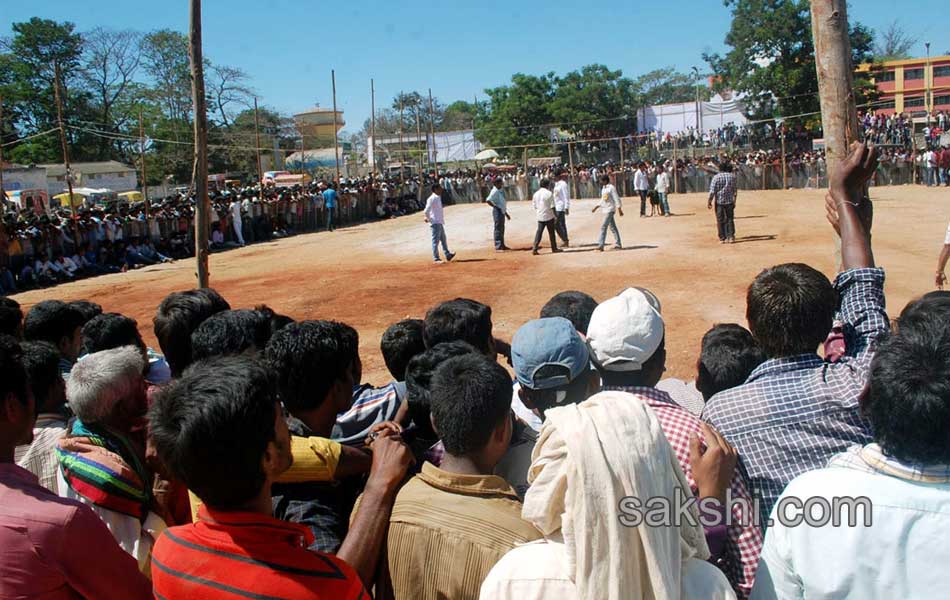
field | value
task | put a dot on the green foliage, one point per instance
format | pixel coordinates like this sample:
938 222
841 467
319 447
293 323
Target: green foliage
772 59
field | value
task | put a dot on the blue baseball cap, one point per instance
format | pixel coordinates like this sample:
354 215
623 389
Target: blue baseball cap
544 342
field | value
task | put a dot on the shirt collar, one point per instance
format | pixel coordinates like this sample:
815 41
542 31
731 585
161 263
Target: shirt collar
213 517
12 471
788 364
874 456
651 395
473 485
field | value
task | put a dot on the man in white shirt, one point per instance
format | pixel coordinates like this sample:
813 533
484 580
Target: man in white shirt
891 542
562 206
663 188
499 208
544 209
435 217
930 167
235 208
641 183
610 202
942 261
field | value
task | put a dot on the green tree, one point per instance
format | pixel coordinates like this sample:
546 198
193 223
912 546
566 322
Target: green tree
668 86
594 101
772 59
514 112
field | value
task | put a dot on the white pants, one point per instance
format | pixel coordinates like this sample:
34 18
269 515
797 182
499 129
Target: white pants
237 231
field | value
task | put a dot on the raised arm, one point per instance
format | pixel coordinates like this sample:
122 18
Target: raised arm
850 210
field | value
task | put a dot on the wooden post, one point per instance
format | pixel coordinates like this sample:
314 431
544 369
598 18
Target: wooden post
784 164
148 208
257 134
623 179
402 146
570 162
839 120
372 123
62 138
3 193
676 185
527 184
336 152
203 208
435 146
418 137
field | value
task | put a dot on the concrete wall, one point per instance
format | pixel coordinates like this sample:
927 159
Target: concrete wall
24 178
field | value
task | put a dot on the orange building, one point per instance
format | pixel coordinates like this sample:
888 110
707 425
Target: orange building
915 86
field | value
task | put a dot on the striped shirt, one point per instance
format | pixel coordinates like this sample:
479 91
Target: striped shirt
230 555
723 187
39 457
371 406
448 530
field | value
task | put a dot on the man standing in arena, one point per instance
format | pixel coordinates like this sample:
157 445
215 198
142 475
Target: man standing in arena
610 202
723 190
435 217
641 183
499 208
562 206
544 208
235 208
329 202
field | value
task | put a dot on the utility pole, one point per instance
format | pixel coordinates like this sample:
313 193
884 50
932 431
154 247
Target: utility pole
623 179
402 147
570 161
3 193
928 82
257 151
372 123
839 119
62 138
202 205
148 208
336 151
435 146
419 137
784 164
676 185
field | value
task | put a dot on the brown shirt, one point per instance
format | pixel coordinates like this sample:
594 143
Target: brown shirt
447 532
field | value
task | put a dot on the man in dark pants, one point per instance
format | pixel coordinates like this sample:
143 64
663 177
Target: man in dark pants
562 206
723 190
496 199
544 208
641 183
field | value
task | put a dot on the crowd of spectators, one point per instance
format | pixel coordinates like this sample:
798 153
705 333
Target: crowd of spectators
250 459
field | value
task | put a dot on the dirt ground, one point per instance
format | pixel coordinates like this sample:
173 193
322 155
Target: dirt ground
374 274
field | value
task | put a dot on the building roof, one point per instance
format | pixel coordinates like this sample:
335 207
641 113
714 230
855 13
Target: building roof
87 168
909 61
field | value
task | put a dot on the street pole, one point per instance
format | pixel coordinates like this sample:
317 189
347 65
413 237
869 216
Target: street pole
3 193
336 151
623 180
62 138
372 123
676 185
202 206
435 146
784 165
257 135
402 146
148 208
829 20
570 162
419 137
928 80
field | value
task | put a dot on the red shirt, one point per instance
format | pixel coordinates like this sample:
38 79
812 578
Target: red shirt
231 555
58 549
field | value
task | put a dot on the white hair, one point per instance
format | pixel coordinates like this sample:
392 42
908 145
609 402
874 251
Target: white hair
99 381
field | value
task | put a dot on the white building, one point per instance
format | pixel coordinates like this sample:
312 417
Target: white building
19 177
109 174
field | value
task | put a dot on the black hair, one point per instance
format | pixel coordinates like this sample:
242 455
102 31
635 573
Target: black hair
308 358
41 361
573 393
470 397
211 428
545 183
400 343
576 307
729 355
178 316
459 320
790 309
51 321
908 398
726 167
13 377
232 332
11 317
924 308
436 186
605 179
110 330
88 309
419 375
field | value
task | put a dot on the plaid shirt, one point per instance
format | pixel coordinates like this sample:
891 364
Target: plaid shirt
795 413
724 187
743 542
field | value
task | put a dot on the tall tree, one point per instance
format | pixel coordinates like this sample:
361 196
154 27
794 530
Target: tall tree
892 43
668 86
110 63
228 93
516 113
772 58
165 59
594 101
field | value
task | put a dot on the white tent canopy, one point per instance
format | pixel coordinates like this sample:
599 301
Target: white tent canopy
674 118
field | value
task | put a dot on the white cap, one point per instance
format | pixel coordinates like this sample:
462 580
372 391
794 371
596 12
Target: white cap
625 331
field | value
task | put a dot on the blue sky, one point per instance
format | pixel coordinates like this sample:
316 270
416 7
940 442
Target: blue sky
457 48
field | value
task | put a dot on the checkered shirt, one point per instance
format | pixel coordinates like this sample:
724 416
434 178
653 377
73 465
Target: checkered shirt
795 413
724 187
744 539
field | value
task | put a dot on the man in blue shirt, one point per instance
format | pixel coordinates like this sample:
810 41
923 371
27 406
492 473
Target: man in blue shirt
329 201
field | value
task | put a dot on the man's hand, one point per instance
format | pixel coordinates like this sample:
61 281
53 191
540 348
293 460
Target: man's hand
714 467
503 348
426 219
709 205
941 279
849 184
567 212
620 211
595 209
391 459
507 216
